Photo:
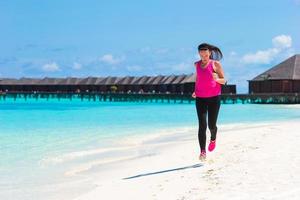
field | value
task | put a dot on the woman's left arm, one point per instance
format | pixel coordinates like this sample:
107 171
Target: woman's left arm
219 70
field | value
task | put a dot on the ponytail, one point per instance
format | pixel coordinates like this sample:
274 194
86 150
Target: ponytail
216 53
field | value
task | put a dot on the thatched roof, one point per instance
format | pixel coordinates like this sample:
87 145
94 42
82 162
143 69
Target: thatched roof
98 80
163 79
289 69
117 79
8 81
150 80
28 81
141 80
191 78
178 79
110 80
157 80
49 81
88 81
168 79
70 81
125 80
135 78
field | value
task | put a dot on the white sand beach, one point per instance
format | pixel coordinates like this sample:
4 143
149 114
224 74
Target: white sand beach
253 161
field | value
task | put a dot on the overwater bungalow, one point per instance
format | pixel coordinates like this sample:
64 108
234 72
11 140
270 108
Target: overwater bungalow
109 82
124 83
165 85
282 78
88 84
189 83
139 85
175 84
26 84
154 83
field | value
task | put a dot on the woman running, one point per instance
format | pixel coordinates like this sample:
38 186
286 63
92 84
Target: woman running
209 78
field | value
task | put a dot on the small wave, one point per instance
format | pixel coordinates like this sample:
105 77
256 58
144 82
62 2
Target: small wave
87 166
78 154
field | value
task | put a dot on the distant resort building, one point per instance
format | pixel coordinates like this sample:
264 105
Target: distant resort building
175 84
282 78
279 85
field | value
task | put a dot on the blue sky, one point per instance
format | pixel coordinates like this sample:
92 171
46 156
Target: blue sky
59 38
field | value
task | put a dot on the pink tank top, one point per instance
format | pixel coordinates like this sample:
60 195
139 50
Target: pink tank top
205 85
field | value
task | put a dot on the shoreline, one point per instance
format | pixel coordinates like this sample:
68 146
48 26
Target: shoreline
238 168
165 136
153 156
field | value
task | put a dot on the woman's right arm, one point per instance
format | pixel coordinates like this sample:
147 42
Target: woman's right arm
194 95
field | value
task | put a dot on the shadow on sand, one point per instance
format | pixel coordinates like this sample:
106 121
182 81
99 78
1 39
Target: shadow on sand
164 171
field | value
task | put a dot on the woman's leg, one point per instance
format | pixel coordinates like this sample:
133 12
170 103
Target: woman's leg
213 111
201 106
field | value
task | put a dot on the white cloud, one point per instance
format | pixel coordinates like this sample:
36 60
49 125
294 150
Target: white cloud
145 49
110 59
154 50
280 43
134 68
162 50
261 56
182 67
232 53
77 66
51 67
297 2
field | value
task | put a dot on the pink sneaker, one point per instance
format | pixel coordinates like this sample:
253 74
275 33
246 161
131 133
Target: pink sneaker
202 155
212 145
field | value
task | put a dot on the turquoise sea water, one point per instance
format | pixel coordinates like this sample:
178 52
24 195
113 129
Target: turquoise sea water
36 136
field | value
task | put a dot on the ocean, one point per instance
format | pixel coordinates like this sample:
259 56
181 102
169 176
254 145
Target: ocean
44 145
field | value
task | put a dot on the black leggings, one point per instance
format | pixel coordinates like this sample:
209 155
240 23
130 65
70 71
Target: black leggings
210 105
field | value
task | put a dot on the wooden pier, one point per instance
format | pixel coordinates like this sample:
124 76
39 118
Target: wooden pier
276 98
262 98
